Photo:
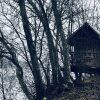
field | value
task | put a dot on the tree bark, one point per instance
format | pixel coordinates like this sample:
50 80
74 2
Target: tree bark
32 51
57 15
52 50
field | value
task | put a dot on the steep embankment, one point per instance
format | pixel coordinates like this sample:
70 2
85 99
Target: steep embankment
89 91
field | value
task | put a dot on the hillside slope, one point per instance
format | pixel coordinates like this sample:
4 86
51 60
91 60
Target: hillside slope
89 91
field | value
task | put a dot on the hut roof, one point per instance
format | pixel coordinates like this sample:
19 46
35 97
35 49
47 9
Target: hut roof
85 28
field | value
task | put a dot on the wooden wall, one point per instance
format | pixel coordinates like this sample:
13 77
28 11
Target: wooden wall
86 52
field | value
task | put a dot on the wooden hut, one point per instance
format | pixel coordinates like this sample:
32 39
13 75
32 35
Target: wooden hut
84 50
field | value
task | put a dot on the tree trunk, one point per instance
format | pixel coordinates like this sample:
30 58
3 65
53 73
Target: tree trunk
52 50
57 15
32 51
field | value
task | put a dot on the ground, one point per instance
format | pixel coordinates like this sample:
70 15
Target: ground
90 90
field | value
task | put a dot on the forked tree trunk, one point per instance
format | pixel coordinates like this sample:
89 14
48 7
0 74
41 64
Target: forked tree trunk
32 51
57 16
52 50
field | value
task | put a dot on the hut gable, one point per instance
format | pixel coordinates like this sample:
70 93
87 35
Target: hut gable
84 32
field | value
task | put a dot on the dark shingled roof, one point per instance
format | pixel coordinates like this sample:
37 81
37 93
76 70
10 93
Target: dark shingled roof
85 26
